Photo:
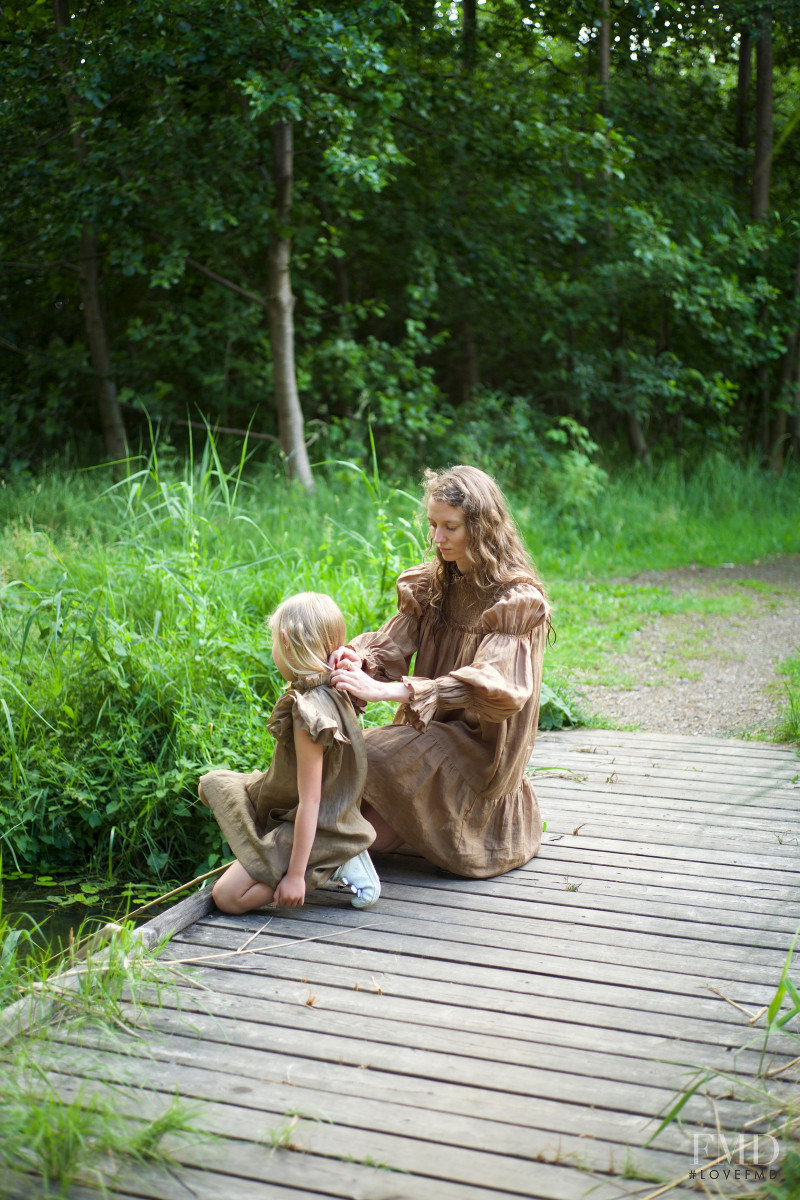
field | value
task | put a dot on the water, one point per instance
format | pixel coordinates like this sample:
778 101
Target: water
52 910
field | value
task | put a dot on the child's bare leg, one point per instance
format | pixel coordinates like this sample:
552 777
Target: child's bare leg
237 892
386 839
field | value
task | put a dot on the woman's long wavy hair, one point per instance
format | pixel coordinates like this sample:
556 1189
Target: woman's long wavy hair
308 627
494 547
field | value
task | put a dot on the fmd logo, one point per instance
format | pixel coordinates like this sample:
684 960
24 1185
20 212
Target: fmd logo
740 1158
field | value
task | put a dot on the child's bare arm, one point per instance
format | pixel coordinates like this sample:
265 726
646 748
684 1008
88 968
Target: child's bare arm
291 891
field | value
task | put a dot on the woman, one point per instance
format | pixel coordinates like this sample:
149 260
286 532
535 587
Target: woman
448 776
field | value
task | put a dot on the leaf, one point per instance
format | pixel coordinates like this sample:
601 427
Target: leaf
676 1108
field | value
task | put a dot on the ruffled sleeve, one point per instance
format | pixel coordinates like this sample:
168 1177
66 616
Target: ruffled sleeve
386 654
306 710
502 676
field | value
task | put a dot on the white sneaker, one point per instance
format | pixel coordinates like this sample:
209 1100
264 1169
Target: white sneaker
359 875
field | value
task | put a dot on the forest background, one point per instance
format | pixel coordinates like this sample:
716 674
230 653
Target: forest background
559 240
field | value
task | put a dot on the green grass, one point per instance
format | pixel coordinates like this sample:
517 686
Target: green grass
790 725
52 1127
133 649
720 511
771 1098
598 621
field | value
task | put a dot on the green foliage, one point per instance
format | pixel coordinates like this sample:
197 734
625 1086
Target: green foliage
133 649
775 1106
463 210
49 1128
790 727
718 510
133 659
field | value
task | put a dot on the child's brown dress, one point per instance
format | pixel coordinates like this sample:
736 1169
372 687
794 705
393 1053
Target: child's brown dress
256 812
448 775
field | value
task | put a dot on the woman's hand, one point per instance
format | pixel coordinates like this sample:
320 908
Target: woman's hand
343 656
349 678
291 891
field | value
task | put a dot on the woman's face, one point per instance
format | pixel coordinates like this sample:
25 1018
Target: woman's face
448 531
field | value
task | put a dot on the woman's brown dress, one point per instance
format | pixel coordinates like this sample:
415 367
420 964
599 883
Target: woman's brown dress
256 811
448 774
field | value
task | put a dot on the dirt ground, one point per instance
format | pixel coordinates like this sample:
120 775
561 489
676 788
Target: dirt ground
707 674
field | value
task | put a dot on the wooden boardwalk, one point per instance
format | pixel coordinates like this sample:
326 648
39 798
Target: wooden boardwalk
466 1040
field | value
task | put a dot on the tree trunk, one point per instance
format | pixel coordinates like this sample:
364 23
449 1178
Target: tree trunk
469 368
759 198
762 163
604 56
637 439
113 426
469 33
794 416
741 134
281 312
787 393
116 442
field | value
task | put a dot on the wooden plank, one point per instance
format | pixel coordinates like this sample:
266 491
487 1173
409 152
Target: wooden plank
652 856
589 1029
770 852
284 1070
723 784
441 1053
448 1164
152 1183
552 883
179 917
487 970
653 800
582 1020
277 1080
484 1036
376 1109
569 909
753 761
725 747
673 964
570 859
654 803
757 760
557 901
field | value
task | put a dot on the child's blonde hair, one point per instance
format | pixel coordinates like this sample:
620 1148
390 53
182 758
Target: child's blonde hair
307 628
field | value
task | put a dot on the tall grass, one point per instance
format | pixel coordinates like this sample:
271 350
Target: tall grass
50 1127
719 511
133 652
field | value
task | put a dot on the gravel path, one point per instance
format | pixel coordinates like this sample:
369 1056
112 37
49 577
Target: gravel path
707 674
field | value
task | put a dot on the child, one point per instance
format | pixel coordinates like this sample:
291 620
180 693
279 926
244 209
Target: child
299 824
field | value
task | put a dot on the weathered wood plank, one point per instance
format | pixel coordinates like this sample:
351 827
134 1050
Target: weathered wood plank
548 883
515 1169
668 966
695 863
612 1053
756 761
678 744
270 1103
558 900
569 858
560 984
540 917
628 799
485 1036
583 1019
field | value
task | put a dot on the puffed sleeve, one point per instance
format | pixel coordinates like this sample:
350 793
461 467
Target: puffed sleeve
306 710
503 674
386 653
